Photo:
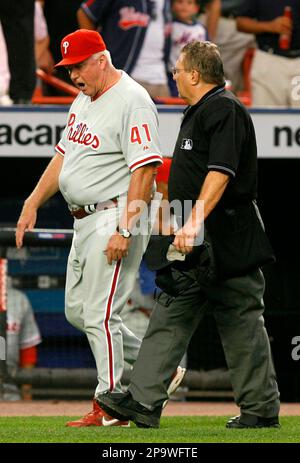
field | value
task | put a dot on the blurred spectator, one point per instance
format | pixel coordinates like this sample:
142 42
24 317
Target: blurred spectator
16 17
212 9
4 72
61 20
137 311
232 44
162 177
275 68
22 337
185 28
43 57
137 33
166 221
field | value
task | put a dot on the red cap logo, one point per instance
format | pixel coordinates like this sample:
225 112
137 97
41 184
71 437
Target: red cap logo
65 46
80 45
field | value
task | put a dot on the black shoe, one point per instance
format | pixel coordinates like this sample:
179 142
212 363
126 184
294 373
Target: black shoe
252 421
123 407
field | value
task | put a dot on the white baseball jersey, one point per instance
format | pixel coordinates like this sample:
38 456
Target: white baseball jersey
22 331
182 34
105 140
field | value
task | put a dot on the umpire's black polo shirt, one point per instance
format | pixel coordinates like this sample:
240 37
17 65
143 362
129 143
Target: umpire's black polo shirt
217 133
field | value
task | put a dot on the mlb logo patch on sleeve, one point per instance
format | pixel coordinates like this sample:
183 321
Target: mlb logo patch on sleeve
186 144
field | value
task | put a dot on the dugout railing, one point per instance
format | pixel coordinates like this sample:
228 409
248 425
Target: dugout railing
70 91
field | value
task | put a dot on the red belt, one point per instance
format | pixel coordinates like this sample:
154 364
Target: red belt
84 211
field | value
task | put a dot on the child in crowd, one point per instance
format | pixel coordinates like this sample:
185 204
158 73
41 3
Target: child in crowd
185 28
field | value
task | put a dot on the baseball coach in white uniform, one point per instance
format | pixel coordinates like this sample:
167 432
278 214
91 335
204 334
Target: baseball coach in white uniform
105 160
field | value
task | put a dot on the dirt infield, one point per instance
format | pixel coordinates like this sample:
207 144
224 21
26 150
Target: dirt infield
74 408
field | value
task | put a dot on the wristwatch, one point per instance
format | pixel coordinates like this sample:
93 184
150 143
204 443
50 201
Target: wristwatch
124 232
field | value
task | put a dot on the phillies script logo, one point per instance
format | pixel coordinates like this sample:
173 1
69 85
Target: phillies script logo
131 18
81 135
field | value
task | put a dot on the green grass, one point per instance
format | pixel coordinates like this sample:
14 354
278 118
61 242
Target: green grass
173 430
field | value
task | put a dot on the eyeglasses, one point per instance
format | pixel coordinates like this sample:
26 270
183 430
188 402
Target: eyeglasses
177 71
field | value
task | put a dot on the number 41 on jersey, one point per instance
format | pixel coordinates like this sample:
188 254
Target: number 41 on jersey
138 133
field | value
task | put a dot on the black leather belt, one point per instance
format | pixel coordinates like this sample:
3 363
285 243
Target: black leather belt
83 211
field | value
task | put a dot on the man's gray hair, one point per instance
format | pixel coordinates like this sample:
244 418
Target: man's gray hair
104 52
205 58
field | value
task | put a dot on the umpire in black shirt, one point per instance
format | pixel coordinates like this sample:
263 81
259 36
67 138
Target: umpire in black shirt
215 161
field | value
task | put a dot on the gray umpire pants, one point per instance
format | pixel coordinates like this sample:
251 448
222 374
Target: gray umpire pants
237 304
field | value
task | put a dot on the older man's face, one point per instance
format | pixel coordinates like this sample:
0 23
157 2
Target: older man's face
181 76
87 75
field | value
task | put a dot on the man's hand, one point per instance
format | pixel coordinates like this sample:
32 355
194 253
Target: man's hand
185 237
46 187
281 25
25 223
117 248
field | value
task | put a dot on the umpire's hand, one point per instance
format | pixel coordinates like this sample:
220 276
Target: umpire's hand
185 238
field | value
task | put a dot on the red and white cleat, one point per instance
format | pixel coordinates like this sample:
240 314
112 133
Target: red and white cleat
97 417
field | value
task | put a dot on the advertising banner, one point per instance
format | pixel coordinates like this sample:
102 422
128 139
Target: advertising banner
34 131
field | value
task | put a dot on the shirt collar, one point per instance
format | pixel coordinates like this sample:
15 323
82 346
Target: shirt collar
212 92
